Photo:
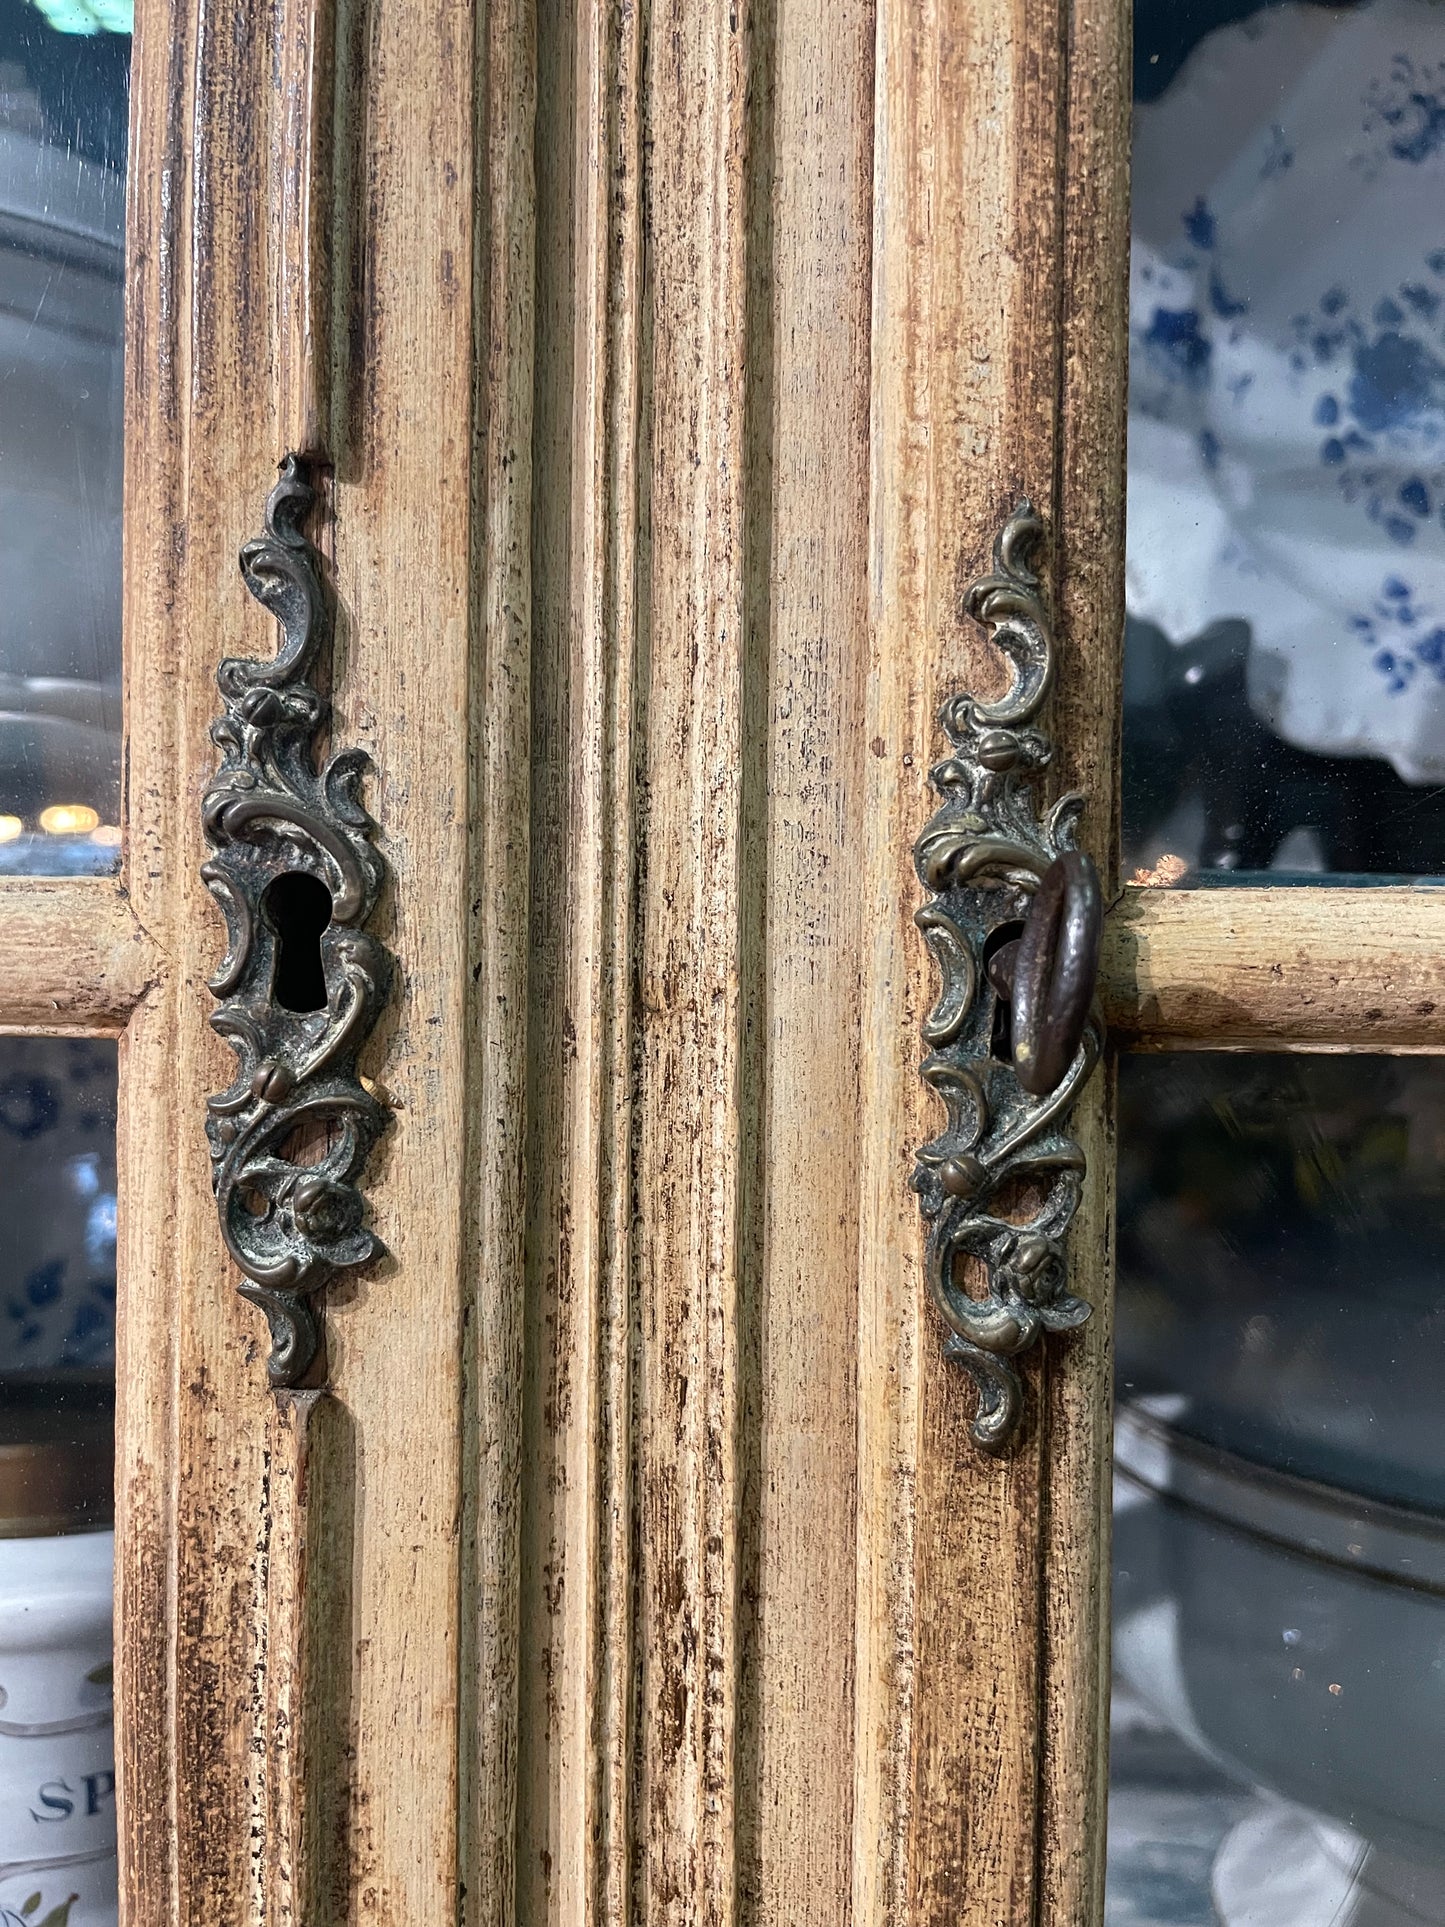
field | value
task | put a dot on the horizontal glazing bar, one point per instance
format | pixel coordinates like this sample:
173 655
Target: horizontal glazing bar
1308 969
73 958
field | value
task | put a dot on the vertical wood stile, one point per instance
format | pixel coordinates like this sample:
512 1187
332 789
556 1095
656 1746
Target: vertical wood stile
996 265
317 1708
499 906
299 1784
406 554
573 1842
688 1150
1089 600
979 1580
148 1124
558 1349
806 611
897 709
302 124
700 553
968 227
190 1476
615 616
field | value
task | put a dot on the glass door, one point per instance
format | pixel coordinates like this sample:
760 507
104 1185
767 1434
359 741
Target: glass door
63 115
1278 1729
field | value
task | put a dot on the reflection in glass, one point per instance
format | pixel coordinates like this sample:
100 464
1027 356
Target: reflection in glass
1285 656
1279 1517
57 1398
63 77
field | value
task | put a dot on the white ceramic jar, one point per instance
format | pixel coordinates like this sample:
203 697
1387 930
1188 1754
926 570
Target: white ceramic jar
57 1747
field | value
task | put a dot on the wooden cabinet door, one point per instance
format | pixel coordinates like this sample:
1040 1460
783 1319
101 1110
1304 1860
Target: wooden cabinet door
330 252
667 372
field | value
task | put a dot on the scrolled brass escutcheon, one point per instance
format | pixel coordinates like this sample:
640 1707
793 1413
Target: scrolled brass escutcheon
296 872
1014 923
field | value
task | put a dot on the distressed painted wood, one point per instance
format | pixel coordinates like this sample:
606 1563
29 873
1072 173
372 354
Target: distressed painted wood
304 225
573 1845
701 639
1262 969
500 948
1089 599
691 1262
778 1627
74 958
999 278
299 1788
808 594
420 333
676 367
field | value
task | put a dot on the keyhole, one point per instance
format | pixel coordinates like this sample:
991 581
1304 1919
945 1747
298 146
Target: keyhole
298 909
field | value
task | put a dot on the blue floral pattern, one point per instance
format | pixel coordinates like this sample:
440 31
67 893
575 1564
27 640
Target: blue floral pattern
1293 435
57 1204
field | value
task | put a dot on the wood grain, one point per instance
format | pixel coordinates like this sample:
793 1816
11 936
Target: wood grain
677 367
300 1655
691 912
574 1858
408 548
74 959
966 364
499 951
806 604
1089 609
902 670
302 128
1001 231
191 1444
220 1577
1301 969
687 1726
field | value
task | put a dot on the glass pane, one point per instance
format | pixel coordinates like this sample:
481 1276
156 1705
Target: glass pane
57 1401
1285 654
1278 1749
63 78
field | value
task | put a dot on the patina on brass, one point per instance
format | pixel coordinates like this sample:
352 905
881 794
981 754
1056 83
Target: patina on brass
1007 1085
272 817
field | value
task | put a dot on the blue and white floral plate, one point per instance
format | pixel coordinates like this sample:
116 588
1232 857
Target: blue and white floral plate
1287 364
57 1204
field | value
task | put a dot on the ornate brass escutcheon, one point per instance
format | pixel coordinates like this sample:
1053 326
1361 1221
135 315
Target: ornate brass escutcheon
297 874
1014 923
